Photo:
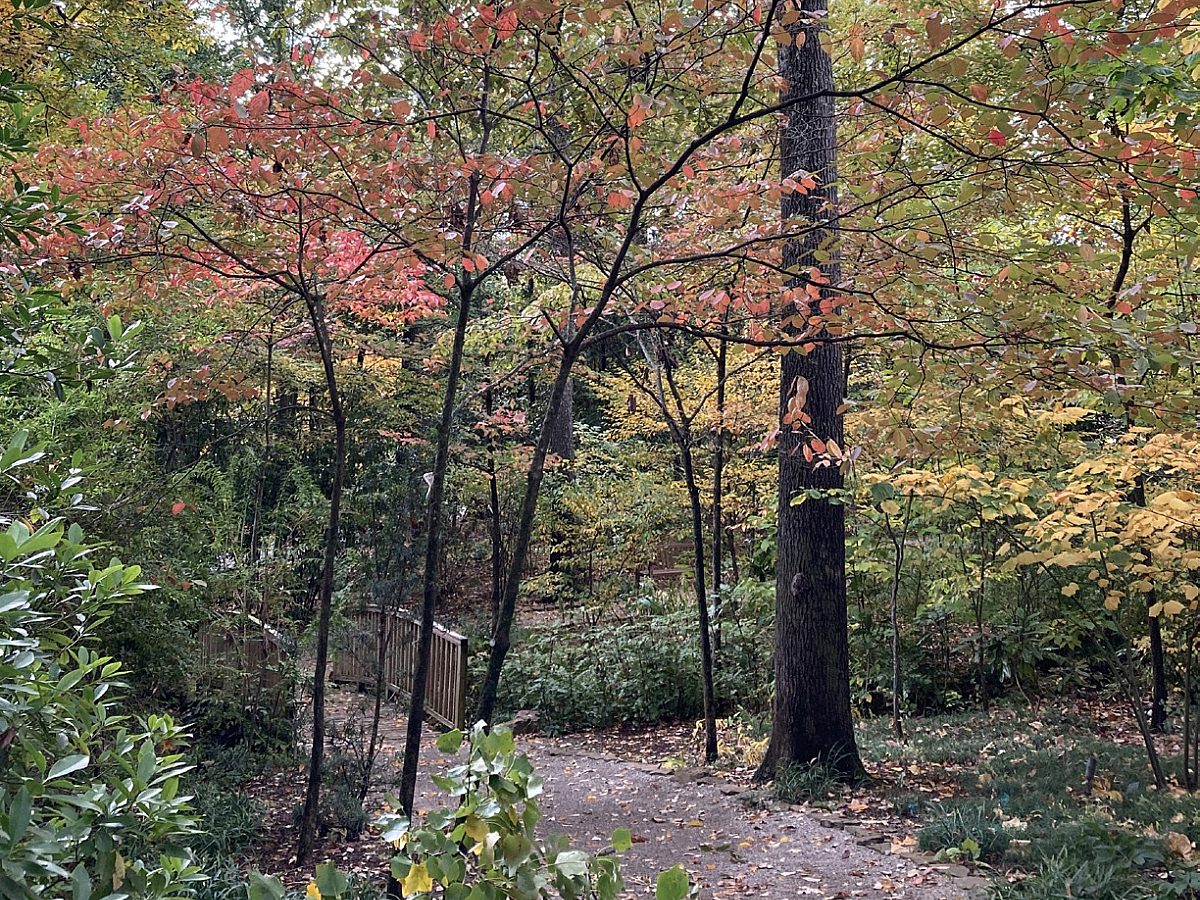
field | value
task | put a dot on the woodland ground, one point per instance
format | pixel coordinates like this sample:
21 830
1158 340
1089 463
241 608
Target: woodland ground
997 793
734 840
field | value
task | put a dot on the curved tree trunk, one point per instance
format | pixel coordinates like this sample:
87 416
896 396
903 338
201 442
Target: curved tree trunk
812 657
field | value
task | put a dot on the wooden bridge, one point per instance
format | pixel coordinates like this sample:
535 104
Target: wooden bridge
356 661
248 657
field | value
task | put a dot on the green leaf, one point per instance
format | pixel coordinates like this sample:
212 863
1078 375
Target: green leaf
264 887
572 863
19 812
450 741
146 761
673 884
67 765
330 881
622 840
81 884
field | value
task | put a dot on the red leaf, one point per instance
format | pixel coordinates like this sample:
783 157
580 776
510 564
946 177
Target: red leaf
506 25
241 82
177 508
996 136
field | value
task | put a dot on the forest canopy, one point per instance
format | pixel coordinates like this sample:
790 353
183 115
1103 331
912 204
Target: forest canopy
821 376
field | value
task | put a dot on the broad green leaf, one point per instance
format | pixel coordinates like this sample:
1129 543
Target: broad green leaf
330 881
450 741
673 884
67 765
264 887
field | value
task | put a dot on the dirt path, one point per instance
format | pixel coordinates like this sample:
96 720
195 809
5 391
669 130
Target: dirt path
730 848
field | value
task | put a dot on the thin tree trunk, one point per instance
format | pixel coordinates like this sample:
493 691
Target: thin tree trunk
718 525
494 523
981 660
894 615
312 794
1158 667
706 654
433 552
502 636
812 717
679 424
383 640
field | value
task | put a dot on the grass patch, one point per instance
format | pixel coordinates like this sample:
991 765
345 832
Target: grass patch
1009 788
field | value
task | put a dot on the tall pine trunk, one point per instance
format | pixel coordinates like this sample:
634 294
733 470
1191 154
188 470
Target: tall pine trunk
812 657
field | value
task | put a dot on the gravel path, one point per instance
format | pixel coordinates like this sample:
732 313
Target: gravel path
730 848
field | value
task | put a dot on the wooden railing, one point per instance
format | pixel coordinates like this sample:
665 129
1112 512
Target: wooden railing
246 656
356 661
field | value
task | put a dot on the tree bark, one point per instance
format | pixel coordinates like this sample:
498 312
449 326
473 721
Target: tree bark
312 794
812 657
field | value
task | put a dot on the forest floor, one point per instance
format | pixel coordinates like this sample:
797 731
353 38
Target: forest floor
735 841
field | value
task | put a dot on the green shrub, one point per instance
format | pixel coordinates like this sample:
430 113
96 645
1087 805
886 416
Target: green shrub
1067 876
636 671
229 819
88 796
816 781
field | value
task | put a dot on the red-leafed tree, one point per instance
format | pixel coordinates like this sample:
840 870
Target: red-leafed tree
241 189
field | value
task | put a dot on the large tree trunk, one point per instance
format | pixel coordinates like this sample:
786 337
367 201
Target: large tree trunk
812 665
312 794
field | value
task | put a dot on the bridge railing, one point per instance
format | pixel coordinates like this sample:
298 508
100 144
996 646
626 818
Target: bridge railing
356 661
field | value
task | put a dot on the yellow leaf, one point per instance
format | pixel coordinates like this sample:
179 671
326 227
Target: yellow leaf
1070 590
1172 607
417 881
891 507
312 892
475 828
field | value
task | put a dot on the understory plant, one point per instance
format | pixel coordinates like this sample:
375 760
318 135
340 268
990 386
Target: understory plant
90 802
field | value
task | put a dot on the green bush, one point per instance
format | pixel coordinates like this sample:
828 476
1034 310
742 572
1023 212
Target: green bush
1066 876
817 781
88 796
636 671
